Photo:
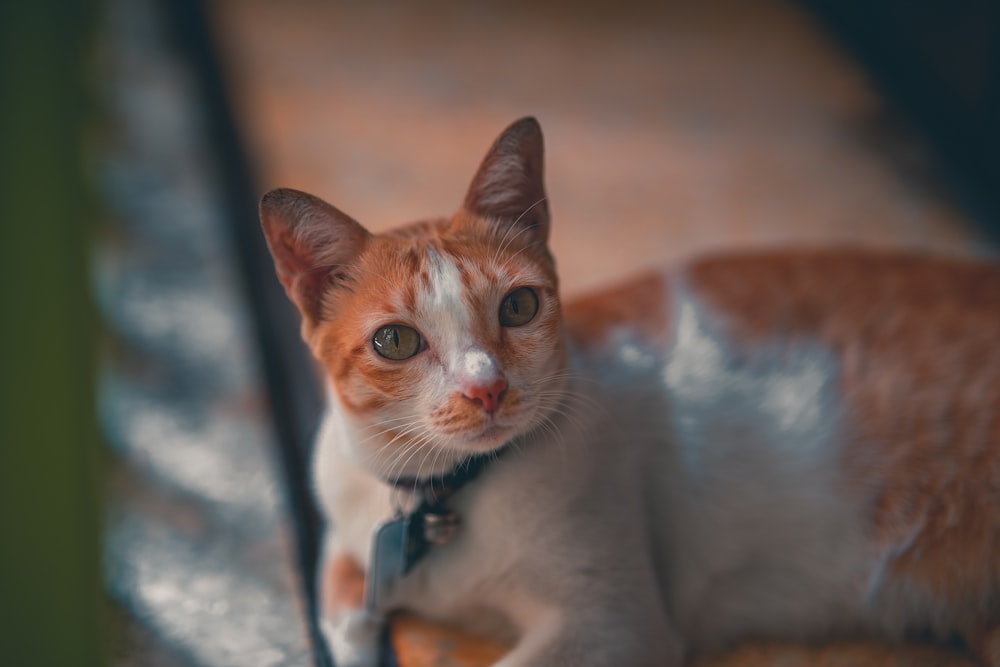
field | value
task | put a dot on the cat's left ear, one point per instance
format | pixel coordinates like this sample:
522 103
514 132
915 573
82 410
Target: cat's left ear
312 244
509 186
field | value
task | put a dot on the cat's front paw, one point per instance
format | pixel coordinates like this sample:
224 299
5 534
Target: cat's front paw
353 639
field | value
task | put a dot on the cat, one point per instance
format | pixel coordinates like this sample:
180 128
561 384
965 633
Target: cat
800 445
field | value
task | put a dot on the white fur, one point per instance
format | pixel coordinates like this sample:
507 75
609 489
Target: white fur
446 296
477 365
700 502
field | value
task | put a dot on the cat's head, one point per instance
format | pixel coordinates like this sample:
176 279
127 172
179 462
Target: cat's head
442 338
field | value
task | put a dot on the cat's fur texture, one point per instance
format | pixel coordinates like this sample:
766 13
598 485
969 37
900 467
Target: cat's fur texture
790 445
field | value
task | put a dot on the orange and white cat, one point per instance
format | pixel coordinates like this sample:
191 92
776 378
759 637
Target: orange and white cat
800 445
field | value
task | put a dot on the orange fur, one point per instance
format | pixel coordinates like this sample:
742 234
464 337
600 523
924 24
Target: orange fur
639 305
342 584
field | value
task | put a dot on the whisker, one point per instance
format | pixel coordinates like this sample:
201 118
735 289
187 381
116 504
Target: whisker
528 210
392 457
406 428
507 239
383 422
422 442
396 469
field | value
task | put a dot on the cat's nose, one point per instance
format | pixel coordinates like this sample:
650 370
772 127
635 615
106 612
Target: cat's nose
488 394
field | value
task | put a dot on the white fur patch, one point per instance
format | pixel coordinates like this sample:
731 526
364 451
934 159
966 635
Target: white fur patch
447 291
446 309
477 365
784 389
763 537
444 305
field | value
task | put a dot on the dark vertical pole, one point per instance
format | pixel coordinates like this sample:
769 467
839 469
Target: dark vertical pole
293 388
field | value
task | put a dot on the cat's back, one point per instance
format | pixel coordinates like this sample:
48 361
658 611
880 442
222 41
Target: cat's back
896 355
912 341
851 295
841 297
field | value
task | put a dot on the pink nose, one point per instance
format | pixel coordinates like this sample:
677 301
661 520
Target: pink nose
488 394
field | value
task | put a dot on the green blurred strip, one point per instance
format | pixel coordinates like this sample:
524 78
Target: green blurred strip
51 607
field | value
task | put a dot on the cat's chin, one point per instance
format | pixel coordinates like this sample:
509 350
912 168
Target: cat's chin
490 438
483 441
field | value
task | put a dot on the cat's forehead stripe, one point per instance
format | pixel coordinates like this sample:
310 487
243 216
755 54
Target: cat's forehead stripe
447 288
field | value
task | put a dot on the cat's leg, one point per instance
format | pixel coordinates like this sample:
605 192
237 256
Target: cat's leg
351 633
581 637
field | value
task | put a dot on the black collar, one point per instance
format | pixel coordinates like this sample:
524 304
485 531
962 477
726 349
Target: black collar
438 489
432 523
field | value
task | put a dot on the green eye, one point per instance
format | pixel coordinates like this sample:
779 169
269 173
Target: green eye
518 307
396 342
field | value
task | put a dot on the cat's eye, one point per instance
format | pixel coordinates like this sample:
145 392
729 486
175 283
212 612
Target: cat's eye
518 307
396 342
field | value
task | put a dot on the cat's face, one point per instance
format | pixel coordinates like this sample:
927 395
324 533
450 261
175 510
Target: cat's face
441 339
447 343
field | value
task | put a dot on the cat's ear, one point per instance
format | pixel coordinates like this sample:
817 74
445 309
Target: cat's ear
312 243
509 187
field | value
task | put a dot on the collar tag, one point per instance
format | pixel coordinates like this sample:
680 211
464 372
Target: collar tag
440 526
399 544
387 563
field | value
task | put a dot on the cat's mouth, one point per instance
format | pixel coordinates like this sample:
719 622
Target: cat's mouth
493 433
488 437
489 433
469 428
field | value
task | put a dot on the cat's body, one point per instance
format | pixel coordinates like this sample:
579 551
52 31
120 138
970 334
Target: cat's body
780 445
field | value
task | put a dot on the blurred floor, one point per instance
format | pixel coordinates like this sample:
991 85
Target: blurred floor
197 557
671 129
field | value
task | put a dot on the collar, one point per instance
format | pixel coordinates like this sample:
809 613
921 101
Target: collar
438 489
432 523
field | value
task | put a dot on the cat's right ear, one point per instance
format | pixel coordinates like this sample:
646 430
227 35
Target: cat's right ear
509 187
312 243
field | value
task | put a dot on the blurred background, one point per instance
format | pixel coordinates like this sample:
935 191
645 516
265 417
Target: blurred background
156 405
672 128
